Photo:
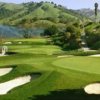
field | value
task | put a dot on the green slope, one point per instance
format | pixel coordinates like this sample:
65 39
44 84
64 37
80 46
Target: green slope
28 13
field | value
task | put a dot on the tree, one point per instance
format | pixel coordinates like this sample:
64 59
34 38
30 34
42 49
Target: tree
68 39
73 36
96 8
50 30
27 35
93 38
52 2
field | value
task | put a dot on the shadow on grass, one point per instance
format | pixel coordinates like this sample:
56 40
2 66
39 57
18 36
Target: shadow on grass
11 53
35 75
75 94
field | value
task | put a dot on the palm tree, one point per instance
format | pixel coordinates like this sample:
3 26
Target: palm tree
96 11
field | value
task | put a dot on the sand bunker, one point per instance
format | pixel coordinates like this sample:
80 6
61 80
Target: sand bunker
64 56
92 88
4 71
7 86
97 55
86 49
1 55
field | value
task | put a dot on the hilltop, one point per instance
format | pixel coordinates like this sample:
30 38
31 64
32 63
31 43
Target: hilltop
34 14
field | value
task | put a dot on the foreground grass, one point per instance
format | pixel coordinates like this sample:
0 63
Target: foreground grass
61 78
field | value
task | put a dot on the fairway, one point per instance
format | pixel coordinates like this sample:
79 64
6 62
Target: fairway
59 78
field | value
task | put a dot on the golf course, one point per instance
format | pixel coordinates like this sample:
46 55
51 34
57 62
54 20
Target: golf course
52 77
49 50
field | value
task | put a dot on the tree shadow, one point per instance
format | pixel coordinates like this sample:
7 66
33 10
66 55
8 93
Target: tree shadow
75 94
11 53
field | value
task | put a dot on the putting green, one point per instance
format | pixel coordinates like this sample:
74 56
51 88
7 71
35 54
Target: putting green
84 64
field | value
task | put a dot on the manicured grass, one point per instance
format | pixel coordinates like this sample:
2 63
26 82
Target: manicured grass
35 46
60 77
35 49
34 41
85 64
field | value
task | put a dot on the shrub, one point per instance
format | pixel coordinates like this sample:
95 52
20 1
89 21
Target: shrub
96 45
50 31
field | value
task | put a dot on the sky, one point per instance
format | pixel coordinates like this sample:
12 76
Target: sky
71 4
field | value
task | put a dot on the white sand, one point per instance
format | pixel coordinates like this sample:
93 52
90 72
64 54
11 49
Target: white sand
4 71
97 55
19 42
7 86
86 49
2 55
92 88
64 56
8 43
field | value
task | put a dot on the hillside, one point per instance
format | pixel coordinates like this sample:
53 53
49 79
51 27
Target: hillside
32 18
35 14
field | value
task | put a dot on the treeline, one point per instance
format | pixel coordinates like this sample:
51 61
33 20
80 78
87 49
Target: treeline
93 35
70 38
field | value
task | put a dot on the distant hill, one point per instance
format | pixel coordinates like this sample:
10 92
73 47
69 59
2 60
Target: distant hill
36 14
89 13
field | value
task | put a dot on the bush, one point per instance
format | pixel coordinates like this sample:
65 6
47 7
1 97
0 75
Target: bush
45 8
96 45
92 38
27 35
78 53
50 31
68 39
